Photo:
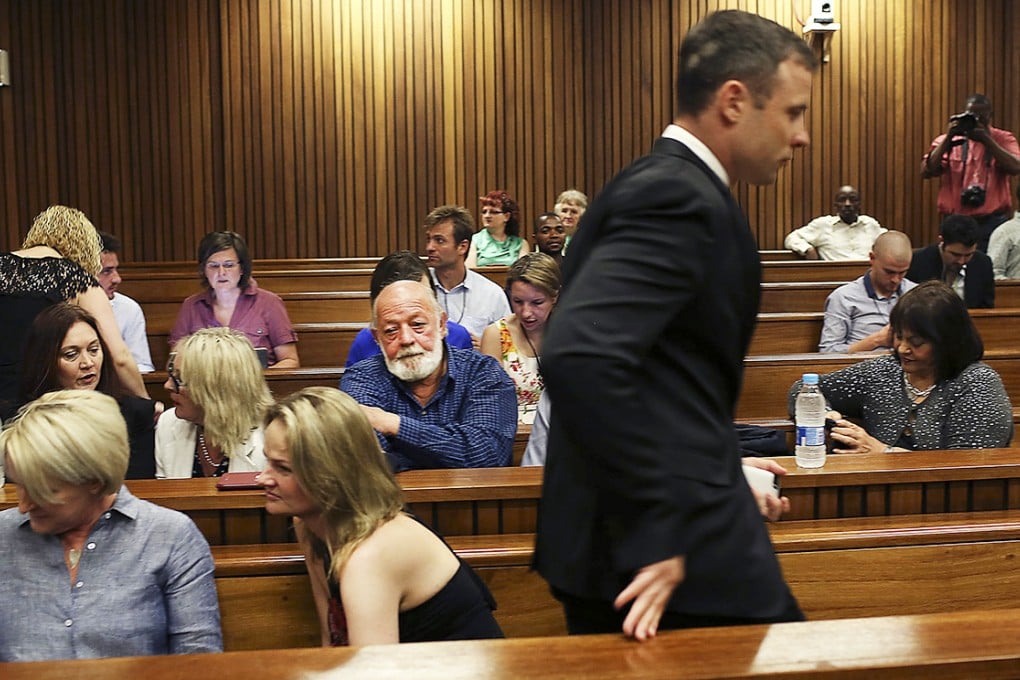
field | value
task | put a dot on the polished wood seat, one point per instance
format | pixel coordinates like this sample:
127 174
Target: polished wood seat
768 378
809 296
950 646
799 332
505 500
875 566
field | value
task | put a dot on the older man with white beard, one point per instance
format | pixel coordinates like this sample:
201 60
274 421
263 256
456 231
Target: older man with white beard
432 406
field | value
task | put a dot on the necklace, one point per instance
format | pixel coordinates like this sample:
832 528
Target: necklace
205 452
527 339
913 392
446 304
73 556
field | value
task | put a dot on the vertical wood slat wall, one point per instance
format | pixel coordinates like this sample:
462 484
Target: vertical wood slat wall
326 128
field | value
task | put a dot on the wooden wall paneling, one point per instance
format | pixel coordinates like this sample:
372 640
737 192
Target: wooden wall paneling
328 128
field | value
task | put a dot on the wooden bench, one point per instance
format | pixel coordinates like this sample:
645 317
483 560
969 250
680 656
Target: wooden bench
767 379
266 601
876 566
319 344
167 286
505 500
810 296
799 332
956 645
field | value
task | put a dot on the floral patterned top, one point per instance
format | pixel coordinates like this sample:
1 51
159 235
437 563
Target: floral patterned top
525 373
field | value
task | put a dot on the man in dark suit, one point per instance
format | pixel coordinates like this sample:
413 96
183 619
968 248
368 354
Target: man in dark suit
956 260
645 514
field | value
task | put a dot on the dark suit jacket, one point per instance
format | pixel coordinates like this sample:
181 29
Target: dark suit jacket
978 285
643 359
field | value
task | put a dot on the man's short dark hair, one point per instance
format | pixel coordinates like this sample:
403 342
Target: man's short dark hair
218 241
962 229
402 265
110 243
735 45
463 223
980 100
540 220
933 311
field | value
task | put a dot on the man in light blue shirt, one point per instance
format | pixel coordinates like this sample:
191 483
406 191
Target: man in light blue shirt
857 313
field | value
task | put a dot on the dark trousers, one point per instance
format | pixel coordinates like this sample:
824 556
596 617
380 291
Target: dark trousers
588 617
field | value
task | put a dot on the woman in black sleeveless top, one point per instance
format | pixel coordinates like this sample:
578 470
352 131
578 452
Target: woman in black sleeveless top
378 575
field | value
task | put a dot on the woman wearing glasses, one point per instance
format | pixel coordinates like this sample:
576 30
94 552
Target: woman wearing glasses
220 395
500 241
233 299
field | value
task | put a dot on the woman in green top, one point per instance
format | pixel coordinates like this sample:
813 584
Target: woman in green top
500 241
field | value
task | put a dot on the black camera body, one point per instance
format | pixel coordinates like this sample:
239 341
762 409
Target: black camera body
973 196
965 122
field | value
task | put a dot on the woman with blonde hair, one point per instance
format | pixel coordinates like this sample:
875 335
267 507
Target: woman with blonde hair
88 569
378 575
220 395
58 262
533 286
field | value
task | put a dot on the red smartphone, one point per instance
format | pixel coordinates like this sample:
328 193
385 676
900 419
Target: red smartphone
238 480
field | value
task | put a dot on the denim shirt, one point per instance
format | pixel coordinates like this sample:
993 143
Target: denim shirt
470 421
145 586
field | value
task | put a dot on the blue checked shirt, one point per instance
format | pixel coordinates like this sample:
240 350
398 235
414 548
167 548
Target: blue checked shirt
145 586
470 421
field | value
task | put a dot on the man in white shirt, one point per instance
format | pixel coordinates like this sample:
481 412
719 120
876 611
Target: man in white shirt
847 235
1004 247
127 312
467 297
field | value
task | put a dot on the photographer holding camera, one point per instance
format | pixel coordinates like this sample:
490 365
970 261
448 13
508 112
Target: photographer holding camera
974 161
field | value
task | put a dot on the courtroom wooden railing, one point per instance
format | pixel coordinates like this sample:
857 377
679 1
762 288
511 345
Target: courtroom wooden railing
505 500
799 332
956 645
874 566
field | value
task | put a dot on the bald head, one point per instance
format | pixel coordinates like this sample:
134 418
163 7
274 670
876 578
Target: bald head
848 203
890 259
893 244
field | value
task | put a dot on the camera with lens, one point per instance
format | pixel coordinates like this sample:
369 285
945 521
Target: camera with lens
965 122
973 196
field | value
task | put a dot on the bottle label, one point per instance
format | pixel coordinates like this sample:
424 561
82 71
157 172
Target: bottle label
810 436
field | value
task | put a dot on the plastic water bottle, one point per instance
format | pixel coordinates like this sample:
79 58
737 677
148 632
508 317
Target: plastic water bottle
810 419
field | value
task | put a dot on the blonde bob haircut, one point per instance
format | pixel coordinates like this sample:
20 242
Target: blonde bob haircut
537 269
71 437
70 233
223 376
336 459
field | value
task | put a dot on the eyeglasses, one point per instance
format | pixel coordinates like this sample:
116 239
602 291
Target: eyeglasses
491 211
226 266
175 376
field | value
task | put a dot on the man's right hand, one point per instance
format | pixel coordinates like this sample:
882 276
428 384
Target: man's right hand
650 591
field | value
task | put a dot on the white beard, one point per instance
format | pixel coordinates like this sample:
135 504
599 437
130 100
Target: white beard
414 364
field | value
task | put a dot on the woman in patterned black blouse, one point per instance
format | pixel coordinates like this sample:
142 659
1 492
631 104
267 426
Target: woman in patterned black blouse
932 392
57 262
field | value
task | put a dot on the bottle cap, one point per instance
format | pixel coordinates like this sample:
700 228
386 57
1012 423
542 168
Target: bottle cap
810 378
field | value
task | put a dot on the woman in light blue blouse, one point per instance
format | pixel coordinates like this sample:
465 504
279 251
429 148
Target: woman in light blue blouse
500 242
86 569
